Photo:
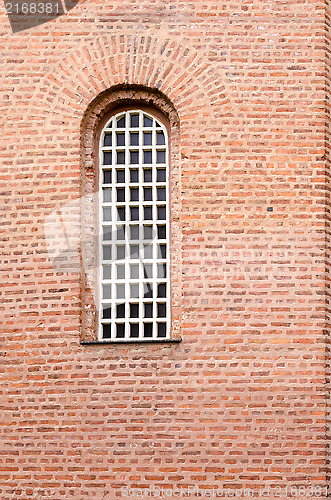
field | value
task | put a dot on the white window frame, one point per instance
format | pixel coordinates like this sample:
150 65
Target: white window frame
158 188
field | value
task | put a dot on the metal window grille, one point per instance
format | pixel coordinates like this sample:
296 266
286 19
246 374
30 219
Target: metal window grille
134 215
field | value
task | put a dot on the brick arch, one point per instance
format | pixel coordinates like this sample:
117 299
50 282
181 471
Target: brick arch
181 73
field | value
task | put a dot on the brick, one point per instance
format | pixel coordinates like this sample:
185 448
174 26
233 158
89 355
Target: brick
241 401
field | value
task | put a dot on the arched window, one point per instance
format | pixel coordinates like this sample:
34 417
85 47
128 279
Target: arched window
131 220
134 226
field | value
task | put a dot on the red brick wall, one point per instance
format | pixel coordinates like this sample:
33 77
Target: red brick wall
240 402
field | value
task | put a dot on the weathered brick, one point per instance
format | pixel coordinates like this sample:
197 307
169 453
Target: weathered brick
241 401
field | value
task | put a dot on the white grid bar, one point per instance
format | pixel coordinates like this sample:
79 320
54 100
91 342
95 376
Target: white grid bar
139 169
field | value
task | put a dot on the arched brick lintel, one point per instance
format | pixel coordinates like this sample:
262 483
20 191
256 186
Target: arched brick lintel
87 72
130 93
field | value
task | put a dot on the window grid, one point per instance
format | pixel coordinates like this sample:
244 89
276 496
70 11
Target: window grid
135 287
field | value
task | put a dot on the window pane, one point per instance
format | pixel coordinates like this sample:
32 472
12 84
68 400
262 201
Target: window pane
120 139
106 214
107 195
120 157
106 272
148 271
148 329
134 176
161 310
120 176
148 251
106 158
107 177
134 310
148 175
120 271
106 254
161 290
106 233
162 270
147 121
161 194
134 157
160 139
121 213
134 232
120 291
148 213
134 139
147 156
106 331
161 213
162 251
107 140
148 290
148 194
120 233
120 252
161 329
134 194
148 308
147 138
161 175
120 311
120 330
134 251
134 120
120 194
161 232
134 330
106 313
134 213
148 232
134 291
121 122
134 271
106 292
160 157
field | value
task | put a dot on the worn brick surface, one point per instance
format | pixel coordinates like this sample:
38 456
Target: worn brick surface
241 401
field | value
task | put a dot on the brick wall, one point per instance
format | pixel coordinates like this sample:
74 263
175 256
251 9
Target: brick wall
240 402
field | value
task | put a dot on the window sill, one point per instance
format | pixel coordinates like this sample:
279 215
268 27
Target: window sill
134 341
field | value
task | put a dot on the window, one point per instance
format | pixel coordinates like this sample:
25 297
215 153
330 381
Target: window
130 204
134 223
